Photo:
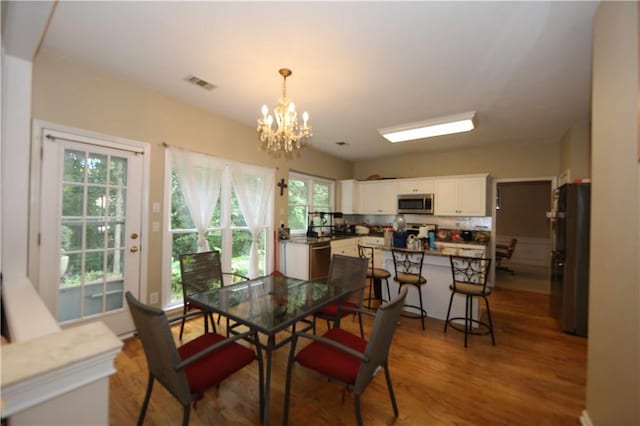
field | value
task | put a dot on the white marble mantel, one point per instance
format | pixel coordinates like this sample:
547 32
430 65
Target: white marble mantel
53 376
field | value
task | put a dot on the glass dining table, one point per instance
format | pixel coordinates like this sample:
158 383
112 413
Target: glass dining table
270 304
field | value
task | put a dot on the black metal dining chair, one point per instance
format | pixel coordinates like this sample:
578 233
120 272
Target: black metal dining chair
347 358
189 370
349 272
201 272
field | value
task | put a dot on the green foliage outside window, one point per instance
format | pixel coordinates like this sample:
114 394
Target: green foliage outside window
301 202
185 239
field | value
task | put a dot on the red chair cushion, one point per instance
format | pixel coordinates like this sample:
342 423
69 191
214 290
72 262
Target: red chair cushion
333 362
332 309
215 367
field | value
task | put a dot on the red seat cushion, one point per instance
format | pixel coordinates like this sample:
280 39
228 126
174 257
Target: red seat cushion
333 362
332 309
215 367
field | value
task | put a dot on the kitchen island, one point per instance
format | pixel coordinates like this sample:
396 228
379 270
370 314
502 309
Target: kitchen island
436 269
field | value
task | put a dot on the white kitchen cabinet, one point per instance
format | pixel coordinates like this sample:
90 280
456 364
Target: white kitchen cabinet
348 196
346 247
295 260
461 196
377 197
415 186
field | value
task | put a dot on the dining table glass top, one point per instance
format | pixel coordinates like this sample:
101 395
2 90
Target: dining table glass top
270 303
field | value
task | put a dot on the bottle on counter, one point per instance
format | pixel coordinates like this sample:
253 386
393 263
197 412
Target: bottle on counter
432 239
388 236
399 232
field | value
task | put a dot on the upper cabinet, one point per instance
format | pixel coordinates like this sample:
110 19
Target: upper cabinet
377 197
348 196
461 196
415 186
464 195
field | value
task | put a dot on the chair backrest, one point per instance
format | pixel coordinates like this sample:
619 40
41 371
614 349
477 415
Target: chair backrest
350 272
407 261
506 253
470 271
200 272
367 252
380 338
159 347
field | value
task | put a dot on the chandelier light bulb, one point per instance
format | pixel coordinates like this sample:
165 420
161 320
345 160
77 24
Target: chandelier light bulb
265 111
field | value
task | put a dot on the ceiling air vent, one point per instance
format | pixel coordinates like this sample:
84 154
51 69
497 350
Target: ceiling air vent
199 82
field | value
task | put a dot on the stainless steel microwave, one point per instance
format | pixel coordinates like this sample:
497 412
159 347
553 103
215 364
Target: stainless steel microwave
415 203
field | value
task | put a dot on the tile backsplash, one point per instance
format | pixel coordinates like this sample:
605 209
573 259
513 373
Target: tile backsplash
473 223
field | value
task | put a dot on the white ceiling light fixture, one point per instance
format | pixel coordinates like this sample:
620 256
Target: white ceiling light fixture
435 127
287 134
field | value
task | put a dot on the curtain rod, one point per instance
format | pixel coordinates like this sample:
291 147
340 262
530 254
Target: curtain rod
166 145
53 138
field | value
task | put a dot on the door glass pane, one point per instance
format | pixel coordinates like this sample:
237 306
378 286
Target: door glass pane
96 231
71 235
115 265
74 166
72 200
97 168
118 171
93 296
115 234
117 202
96 200
115 295
92 236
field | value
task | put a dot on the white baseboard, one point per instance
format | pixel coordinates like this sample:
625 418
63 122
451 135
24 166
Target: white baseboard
585 419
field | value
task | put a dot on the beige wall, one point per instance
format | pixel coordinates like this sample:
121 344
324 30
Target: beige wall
575 151
500 161
613 372
75 94
523 209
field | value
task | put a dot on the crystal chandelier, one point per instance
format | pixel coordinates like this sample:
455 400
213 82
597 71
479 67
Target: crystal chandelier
287 134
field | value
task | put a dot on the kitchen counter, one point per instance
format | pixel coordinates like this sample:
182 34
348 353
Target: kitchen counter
436 269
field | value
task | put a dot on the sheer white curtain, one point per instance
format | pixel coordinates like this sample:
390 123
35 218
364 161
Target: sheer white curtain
254 190
200 177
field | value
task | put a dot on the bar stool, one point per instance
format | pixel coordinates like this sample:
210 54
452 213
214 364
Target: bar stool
408 268
376 275
470 279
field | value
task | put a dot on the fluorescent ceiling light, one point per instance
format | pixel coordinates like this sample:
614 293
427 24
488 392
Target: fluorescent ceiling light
425 129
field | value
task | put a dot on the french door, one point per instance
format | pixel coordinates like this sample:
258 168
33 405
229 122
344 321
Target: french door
90 222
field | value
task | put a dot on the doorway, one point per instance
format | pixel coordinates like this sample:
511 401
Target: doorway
520 213
91 210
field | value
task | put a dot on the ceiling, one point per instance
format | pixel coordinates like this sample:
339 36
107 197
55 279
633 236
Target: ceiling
525 67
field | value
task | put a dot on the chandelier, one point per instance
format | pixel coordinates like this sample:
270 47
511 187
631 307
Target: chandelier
287 134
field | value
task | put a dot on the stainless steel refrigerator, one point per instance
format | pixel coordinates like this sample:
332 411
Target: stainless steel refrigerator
570 257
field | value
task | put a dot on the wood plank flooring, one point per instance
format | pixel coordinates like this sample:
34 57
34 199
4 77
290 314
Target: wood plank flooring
534 375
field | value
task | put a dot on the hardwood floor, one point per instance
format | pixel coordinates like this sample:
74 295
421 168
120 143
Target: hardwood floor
534 375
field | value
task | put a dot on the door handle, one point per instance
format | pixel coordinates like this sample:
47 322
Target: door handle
133 249
134 236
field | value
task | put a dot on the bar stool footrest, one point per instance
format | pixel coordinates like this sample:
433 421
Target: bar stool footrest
482 328
414 315
366 302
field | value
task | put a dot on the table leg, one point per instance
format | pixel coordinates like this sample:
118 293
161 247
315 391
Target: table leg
271 340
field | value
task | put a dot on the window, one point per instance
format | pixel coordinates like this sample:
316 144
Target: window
308 194
228 230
